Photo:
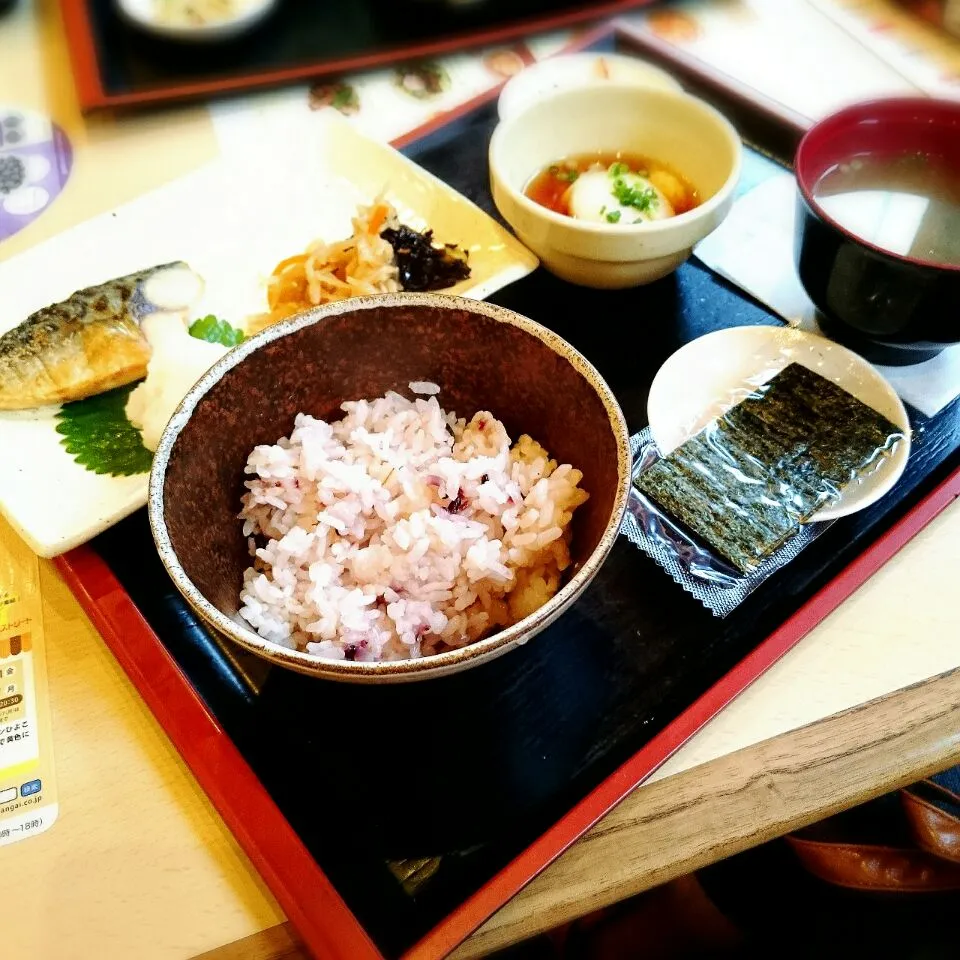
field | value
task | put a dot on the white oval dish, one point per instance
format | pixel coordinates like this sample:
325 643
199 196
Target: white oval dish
711 374
144 15
578 70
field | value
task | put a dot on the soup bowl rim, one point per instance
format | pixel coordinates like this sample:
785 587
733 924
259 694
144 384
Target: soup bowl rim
807 176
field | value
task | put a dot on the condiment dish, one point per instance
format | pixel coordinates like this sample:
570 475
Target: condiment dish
149 16
578 70
676 129
711 374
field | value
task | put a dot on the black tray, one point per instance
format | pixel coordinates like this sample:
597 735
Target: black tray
473 768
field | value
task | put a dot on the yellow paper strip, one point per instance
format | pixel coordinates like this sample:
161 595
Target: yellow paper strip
28 794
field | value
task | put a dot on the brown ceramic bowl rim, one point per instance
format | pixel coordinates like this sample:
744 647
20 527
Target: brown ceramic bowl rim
439 663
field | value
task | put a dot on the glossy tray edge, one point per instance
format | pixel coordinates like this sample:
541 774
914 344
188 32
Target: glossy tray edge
287 867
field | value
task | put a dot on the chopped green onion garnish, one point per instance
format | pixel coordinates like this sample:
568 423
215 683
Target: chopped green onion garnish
640 199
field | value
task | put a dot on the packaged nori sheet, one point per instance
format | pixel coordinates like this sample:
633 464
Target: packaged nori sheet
841 434
750 478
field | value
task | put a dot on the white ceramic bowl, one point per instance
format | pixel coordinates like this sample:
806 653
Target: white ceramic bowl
144 15
578 70
666 125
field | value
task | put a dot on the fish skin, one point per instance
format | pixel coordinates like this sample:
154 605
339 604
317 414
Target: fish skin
87 344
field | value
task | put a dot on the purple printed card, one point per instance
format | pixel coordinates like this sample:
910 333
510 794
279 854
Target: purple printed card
35 162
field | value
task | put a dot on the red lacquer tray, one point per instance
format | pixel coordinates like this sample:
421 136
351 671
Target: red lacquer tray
149 642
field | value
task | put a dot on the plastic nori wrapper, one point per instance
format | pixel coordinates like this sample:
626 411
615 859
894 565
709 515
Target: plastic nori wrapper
727 505
717 584
732 501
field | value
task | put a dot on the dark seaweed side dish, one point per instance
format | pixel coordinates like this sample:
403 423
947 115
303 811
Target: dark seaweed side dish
422 265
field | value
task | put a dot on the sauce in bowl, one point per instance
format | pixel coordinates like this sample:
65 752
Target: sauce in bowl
613 188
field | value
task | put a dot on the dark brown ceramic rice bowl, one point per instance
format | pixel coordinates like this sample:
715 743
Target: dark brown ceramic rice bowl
481 356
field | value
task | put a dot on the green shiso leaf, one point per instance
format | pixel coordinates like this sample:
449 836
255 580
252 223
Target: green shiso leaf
96 431
98 435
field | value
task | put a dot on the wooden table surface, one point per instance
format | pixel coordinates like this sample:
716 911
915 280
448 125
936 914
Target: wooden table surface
140 865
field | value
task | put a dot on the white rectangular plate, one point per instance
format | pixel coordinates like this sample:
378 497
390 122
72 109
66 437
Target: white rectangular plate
232 221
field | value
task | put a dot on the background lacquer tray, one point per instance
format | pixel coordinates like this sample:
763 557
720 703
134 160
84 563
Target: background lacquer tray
392 821
116 65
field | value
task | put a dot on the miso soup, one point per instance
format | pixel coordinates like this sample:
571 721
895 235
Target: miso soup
906 204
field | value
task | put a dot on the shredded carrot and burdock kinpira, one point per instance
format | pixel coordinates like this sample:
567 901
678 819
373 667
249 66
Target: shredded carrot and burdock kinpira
382 256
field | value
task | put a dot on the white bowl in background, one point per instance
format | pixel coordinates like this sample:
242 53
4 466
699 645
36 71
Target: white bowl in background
568 70
145 15
668 126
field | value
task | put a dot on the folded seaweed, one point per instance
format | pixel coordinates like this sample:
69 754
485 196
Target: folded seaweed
751 477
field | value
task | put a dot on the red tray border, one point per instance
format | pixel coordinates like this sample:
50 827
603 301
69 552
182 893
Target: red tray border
92 95
325 923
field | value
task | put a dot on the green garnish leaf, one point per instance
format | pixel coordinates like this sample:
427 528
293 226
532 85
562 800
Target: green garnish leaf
618 169
98 435
344 97
214 330
567 174
613 216
96 431
641 199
